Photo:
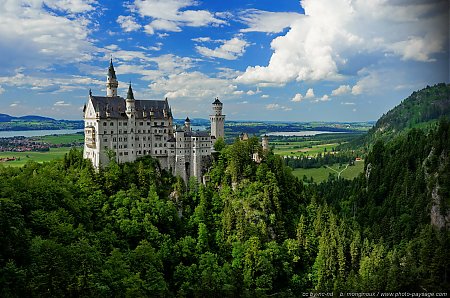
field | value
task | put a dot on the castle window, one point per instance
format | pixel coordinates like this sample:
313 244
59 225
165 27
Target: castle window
139 145
148 123
141 123
104 123
120 131
162 123
154 123
144 138
139 131
112 131
120 123
131 130
125 123
125 146
105 140
111 124
114 139
120 154
125 153
115 147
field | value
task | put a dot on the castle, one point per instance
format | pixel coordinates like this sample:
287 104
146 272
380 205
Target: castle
126 129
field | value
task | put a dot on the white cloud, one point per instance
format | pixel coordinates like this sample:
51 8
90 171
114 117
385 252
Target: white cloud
238 92
61 103
297 98
163 25
266 21
367 84
128 24
346 103
265 96
169 15
201 39
2 90
72 6
192 85
336 33
251 92
325 98
229 50
343 89
34 37
309 93
275 106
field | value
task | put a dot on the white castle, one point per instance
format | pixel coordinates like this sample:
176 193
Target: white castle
126 129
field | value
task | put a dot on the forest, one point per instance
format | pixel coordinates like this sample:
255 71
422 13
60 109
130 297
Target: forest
253 230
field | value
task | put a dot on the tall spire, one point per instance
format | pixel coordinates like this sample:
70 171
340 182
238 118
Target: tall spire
111 81
130 94
111 71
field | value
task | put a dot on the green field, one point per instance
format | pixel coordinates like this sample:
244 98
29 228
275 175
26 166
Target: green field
61 139
309 148
321 174
54 153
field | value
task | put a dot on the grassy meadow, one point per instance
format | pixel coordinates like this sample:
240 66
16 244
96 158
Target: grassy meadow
321 174
24 157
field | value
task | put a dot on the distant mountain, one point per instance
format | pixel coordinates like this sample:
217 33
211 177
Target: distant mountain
8 118
34 118
33 122
420 110
5 118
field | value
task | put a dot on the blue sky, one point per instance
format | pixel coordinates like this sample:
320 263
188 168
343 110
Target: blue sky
325 60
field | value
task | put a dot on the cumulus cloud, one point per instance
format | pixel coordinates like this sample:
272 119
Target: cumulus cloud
334 33
31 33
267 21
229 50
309 93
265 96
171 15
192 85
297 98
128 24
343 89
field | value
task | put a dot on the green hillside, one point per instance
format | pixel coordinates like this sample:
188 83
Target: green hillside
420 110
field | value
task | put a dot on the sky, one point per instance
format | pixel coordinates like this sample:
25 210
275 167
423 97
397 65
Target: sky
285 60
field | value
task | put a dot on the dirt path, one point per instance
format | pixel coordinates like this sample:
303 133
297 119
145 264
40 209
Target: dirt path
339 173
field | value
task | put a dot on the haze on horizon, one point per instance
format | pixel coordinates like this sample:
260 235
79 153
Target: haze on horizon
310 60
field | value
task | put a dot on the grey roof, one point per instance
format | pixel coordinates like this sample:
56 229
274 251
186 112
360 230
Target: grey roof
111 71
116 107
217 101
187 119
130 94
197 134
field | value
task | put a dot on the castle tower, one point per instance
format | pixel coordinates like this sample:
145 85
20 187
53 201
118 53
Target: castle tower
130 102
187 124
217 120
111 81
265 143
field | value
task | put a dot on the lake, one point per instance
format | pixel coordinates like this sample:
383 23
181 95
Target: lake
305 133
37 133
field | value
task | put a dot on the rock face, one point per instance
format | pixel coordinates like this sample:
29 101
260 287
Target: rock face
440 218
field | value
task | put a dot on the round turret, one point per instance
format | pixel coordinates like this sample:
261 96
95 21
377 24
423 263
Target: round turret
217 107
